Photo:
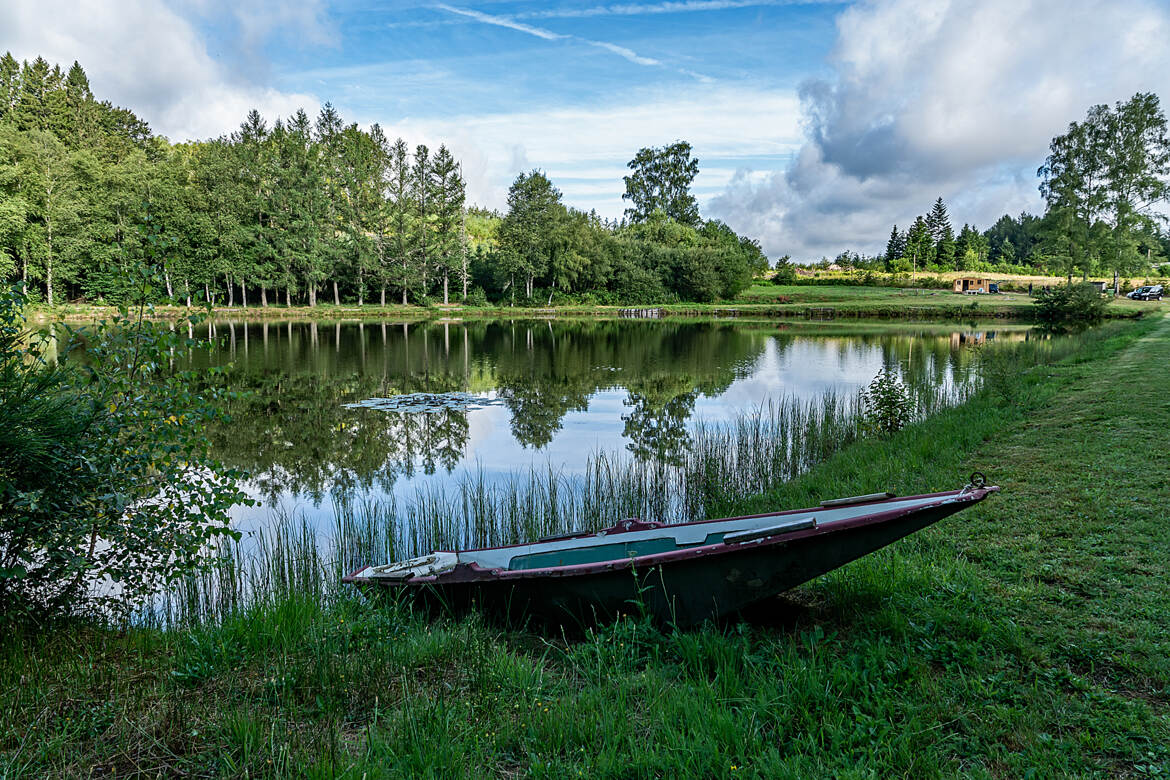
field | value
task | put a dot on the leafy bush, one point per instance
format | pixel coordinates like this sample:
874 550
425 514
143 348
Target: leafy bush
476 297
107 486
886 404
1073 307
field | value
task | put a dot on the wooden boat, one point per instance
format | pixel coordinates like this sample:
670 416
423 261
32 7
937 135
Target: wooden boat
680 573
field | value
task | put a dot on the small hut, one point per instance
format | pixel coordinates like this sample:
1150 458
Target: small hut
972 285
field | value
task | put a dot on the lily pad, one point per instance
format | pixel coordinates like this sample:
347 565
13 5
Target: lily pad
427 403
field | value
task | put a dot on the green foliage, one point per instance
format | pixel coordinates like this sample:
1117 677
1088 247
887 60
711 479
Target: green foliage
289 210
661 181
1072 307
1103 183
886 404
107 486
785 271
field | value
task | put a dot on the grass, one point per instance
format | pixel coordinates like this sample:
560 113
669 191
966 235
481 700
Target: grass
1025 637
762 299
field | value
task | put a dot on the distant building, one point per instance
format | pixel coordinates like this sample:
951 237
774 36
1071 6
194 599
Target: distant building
972 285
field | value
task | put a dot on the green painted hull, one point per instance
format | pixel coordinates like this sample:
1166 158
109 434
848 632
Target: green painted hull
682 591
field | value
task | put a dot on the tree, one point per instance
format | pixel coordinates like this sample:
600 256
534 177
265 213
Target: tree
919 244
530 229
401 216
896 246
447 205
1111 170
661 181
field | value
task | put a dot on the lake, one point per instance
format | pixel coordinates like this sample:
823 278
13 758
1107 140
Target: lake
503 397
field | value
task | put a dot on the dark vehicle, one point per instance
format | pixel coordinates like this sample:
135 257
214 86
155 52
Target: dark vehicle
1151 292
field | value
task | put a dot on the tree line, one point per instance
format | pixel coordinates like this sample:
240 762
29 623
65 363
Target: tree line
1105 183
303 209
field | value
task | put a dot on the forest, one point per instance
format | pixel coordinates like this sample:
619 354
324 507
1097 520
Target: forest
303 209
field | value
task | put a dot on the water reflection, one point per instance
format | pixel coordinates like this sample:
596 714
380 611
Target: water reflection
568 388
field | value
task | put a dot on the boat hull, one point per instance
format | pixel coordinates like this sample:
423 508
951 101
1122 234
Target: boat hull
679 589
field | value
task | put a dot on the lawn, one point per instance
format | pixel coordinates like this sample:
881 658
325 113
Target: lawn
1027 637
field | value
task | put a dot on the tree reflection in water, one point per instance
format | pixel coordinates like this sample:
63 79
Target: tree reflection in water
291 430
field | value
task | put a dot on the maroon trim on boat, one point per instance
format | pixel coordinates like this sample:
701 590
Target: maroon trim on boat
474 573
352 576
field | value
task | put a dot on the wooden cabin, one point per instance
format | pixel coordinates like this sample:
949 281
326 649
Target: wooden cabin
972 285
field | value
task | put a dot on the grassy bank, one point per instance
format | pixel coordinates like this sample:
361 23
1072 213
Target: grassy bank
1025 637
762 299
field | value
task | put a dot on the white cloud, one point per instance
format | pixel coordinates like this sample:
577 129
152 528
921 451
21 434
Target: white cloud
957 99
584 149
648 9
142 55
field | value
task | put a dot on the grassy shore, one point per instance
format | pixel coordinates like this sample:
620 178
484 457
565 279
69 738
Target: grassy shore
762 299
1026 637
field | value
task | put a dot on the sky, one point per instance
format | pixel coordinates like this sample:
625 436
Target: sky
817 125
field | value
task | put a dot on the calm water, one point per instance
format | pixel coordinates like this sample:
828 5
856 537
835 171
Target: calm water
548 392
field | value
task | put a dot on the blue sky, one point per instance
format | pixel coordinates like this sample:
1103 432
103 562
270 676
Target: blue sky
816 124
424 66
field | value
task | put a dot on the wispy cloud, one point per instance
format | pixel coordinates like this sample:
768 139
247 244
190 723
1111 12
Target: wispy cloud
674 7
548 35
623 52
504 21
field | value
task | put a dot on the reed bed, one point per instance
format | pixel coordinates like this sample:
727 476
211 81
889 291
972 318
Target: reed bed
726 463
759 450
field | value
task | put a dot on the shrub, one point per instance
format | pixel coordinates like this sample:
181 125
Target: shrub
886 404
107 486
476 297
1073 307
785 271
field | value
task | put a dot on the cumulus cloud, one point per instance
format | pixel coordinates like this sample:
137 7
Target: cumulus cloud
958 99
584 148
143 55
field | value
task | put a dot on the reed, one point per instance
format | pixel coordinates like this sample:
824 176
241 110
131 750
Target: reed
725 465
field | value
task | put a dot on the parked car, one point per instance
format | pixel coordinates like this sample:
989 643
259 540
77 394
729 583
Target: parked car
1151 292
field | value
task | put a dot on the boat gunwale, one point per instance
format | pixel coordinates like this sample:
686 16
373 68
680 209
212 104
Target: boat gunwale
473 573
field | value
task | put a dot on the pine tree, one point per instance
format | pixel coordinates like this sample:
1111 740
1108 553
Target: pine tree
399 203
422 185
447 207
896 246
9 85
919 245
944 250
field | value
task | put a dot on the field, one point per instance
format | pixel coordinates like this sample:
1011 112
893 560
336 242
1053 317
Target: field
1026 637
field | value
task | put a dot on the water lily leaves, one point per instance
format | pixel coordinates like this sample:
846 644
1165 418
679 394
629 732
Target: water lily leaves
427 403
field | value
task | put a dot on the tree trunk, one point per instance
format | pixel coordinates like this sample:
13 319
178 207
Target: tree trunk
187 286
383 295
49 264
361 289
312 295
243 294
288 297
264 296
336 297
207 294
1116 287
167 277
445 298
231 291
